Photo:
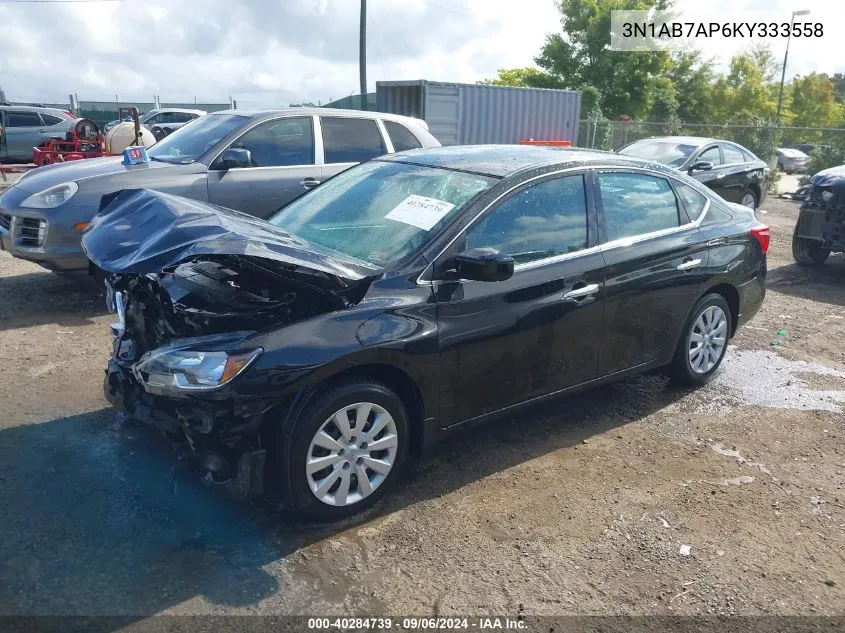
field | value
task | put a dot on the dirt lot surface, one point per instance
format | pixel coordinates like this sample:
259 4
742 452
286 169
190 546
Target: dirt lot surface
633 499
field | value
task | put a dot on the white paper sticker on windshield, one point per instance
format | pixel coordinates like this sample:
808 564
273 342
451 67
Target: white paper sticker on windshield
420 211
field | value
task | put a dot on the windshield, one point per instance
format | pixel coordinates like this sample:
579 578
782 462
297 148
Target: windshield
671 153
380 212
189 142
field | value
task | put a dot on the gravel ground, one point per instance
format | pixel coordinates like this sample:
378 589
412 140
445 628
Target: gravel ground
632 499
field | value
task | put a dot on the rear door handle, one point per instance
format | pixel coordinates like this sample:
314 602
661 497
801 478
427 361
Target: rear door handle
309 183
690 263
580 293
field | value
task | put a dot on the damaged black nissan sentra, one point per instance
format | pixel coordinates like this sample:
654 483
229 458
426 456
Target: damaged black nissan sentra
304 357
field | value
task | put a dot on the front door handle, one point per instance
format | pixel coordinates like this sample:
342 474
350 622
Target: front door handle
690 263
717 176
581 292
309 183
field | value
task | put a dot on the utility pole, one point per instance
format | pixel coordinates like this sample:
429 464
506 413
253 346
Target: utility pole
362 55
785 57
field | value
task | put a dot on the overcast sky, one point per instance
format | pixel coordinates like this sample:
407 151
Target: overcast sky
272 52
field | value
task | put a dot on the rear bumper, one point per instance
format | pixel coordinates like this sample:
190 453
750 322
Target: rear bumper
751 295
215 438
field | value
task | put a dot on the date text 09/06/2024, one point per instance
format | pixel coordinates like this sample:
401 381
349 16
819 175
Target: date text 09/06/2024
418 623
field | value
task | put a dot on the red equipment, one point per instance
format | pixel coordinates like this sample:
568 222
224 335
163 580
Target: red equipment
84 141
531 141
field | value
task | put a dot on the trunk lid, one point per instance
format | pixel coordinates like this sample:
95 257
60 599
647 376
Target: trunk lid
141 231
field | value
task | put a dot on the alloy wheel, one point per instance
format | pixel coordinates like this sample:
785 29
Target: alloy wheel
748 200
708 339
351 454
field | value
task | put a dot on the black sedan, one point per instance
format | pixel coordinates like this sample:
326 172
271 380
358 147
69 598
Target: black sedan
729 169
305 357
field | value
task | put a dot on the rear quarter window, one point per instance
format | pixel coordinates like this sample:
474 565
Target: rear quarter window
49 119
402 138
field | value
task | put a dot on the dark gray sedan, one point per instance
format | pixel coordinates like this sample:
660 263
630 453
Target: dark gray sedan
251 161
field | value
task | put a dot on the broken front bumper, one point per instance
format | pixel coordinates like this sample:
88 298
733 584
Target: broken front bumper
221 439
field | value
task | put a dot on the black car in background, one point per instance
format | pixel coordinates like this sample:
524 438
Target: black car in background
730 170
307 355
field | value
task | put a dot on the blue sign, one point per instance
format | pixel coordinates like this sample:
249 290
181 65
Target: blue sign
135 155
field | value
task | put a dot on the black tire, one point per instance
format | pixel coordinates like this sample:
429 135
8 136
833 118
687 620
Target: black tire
312 419
807 252
749 191
680 370
158 133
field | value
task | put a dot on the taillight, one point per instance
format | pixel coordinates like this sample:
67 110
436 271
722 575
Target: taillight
761 234
71 114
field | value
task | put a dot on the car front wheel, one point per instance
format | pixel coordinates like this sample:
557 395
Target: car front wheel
348 450
808 252
703 342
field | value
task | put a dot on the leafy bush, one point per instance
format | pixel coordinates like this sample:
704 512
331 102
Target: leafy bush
823 157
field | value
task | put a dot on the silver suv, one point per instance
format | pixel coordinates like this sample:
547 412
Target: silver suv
163 121
252 161
25 127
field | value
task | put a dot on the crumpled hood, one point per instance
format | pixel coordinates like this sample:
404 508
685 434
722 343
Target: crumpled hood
833 177
143 231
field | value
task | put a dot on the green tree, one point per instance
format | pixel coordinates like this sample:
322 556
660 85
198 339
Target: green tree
746 93
693 81
580 56
813 102
528 77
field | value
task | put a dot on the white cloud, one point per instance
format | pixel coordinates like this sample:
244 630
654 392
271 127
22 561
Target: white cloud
266 53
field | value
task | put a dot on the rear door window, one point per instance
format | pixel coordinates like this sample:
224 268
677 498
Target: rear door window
351 140
401 137
22 119
636 204
732 155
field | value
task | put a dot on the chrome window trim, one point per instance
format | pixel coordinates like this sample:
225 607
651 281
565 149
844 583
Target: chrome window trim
314 128
627 241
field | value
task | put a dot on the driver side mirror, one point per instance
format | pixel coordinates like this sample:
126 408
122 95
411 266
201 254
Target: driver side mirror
235 157
484 264
701 165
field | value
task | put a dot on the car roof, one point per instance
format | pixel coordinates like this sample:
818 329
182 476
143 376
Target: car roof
698 141
63 113
506 160
316 110
188 110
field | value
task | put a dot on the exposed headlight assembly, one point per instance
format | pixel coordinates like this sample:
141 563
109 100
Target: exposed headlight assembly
52 197
177 371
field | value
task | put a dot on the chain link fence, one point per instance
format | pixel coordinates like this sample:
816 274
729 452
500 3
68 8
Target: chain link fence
763 140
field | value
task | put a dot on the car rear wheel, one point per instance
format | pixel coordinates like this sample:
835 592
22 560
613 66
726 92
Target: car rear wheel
749 199
808 252
703 342
158 133
348 450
